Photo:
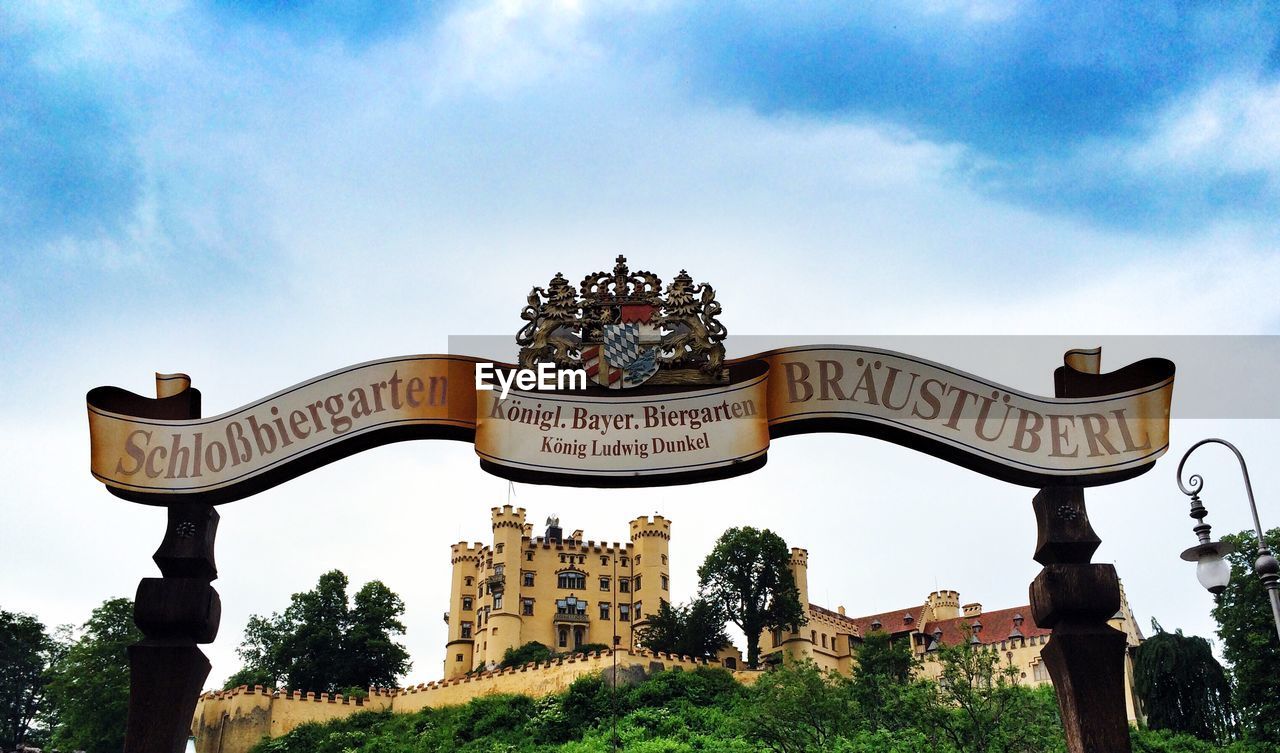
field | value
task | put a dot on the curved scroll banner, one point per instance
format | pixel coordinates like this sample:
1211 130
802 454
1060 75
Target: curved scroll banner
1100 428
643 437
154 450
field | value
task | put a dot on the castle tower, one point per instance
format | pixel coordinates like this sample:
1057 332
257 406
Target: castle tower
461 617
502 584
650 570
942 605
799 645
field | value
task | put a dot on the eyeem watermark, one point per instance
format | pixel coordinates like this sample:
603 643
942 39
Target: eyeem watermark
544 377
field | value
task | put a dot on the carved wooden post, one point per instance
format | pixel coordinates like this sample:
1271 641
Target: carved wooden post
1085 655
174 613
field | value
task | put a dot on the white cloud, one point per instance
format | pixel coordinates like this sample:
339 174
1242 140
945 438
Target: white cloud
419 190
1228 126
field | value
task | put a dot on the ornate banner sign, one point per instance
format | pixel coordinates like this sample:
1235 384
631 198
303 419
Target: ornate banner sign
658 404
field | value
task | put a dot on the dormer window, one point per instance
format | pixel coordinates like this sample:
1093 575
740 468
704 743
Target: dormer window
907 619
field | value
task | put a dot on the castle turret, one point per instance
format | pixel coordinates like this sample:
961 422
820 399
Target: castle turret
799 644
502 583
461 617
650 569
942 605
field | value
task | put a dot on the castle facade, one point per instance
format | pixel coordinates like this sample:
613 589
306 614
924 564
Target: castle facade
563 591
831 638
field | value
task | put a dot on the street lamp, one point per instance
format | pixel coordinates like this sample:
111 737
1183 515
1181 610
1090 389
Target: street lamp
1212 570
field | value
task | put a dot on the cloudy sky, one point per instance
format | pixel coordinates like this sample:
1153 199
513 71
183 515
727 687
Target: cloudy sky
257 196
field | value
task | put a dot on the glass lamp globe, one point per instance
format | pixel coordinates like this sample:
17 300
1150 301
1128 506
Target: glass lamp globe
1213 571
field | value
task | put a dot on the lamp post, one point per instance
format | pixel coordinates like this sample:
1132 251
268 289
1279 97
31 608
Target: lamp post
1212 570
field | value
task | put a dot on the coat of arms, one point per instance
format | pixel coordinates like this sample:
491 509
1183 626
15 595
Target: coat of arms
624 330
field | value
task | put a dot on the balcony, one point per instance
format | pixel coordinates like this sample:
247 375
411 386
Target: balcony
573 617
496 583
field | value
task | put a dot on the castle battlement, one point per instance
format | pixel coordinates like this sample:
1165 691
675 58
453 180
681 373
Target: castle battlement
645 526
464 552
508 517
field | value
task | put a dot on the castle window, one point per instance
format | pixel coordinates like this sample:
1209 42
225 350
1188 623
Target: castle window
604 610
527 579
469 580
526 607
564 637
1039 673
572 581
466 603
624 585
813 636
777 637
498 548
636 582
604 584
637 610
624 562
730 662
664 559
637 559
571 605
497 600
466 630
458 658
604 561
562 559
499 569
528 556
666 582
824 640
624 612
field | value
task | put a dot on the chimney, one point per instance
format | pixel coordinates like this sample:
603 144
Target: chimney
972 610
840 609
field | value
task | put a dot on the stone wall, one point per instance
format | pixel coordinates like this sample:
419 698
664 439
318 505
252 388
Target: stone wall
233 721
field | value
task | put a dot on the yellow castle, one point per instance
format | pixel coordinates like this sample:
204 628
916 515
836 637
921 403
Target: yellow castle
830 638
562 591
569 593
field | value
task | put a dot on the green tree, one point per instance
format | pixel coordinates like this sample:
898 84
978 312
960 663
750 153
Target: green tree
24 657
984 709
89 684
747 577
694 629
1182 687
322 643
533 651
798 708
882 658
1249 645
375 659
882 684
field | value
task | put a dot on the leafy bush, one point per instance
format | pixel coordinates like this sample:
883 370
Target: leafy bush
796 709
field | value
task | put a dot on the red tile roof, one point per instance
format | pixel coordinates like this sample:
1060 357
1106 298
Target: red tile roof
996 626
892 622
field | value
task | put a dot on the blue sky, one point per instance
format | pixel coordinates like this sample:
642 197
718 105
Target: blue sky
259 193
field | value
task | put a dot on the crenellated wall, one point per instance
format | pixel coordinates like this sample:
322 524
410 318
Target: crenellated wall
233 721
